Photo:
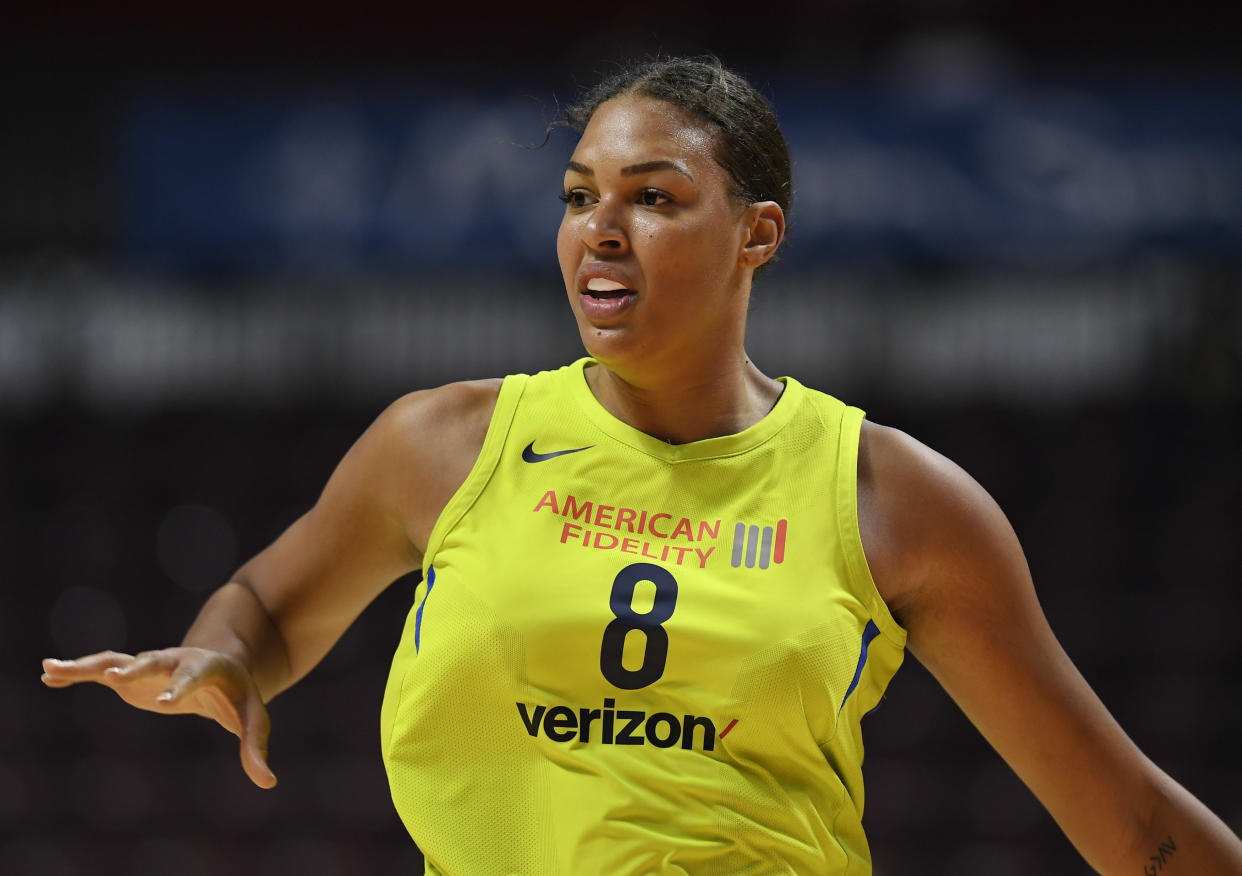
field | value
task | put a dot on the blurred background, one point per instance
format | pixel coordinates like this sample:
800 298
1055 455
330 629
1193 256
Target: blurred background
229 236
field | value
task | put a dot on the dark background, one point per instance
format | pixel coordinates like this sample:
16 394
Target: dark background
172 396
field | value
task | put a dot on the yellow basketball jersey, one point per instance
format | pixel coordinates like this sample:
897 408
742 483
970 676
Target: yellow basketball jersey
630 657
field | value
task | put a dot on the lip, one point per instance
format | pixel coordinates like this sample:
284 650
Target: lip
591 270
603 309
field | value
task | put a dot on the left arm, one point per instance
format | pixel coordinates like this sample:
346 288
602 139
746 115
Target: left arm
949 566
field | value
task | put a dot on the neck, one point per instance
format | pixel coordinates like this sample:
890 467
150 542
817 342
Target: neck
686 403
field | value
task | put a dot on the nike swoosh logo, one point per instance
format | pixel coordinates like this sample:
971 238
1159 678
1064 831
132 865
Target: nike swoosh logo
529 454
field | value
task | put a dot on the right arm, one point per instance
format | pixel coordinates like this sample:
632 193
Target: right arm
283 610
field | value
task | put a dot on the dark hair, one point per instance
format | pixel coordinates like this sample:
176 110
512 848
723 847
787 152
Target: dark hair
749 144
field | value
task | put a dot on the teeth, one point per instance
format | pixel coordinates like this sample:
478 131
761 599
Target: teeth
599 284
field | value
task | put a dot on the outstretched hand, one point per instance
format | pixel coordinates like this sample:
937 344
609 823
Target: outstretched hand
177 681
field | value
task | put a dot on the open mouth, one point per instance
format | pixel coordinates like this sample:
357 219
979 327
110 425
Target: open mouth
605 299
604 290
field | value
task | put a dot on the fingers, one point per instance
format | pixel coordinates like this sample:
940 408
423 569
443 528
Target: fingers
62 673
183 680
53 681
152 680
144 664
256 726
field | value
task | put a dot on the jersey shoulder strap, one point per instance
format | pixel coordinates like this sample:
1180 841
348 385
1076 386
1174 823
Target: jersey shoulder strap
511 391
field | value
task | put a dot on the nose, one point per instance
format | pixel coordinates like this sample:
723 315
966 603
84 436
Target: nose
604 229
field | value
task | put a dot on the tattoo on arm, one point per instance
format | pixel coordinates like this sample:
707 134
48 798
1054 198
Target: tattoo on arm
1163 852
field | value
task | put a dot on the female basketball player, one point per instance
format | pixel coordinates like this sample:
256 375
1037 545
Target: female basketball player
660 587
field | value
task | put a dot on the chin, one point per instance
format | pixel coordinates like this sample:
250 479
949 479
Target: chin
601 344
608 345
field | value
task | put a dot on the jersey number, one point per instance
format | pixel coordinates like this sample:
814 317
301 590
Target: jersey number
655 652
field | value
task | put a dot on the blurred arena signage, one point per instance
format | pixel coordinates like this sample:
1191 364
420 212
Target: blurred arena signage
1033 174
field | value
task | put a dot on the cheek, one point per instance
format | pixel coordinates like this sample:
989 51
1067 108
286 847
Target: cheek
565 250
689 256
565 237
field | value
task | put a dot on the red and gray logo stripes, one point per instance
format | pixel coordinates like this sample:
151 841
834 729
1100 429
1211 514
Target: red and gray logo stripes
758 545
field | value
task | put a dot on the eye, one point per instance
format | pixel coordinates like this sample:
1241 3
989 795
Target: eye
576 198
653 198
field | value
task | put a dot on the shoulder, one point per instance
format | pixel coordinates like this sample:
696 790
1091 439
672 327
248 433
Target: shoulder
461 409
433 428
421 448
930 531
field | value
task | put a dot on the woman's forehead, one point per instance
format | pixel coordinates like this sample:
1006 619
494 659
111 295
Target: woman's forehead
633 128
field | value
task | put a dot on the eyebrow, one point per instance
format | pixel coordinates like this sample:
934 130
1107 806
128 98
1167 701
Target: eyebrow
632 169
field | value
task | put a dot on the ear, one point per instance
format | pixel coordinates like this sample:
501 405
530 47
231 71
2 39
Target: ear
765 224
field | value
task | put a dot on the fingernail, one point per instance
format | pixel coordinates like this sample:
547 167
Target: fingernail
165 697
54 661
112 670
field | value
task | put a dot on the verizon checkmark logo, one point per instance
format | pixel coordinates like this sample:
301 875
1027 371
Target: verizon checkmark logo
530 455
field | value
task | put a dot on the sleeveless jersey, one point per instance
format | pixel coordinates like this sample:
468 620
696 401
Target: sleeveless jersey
631 657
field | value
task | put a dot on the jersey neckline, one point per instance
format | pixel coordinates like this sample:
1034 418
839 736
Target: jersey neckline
706 448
